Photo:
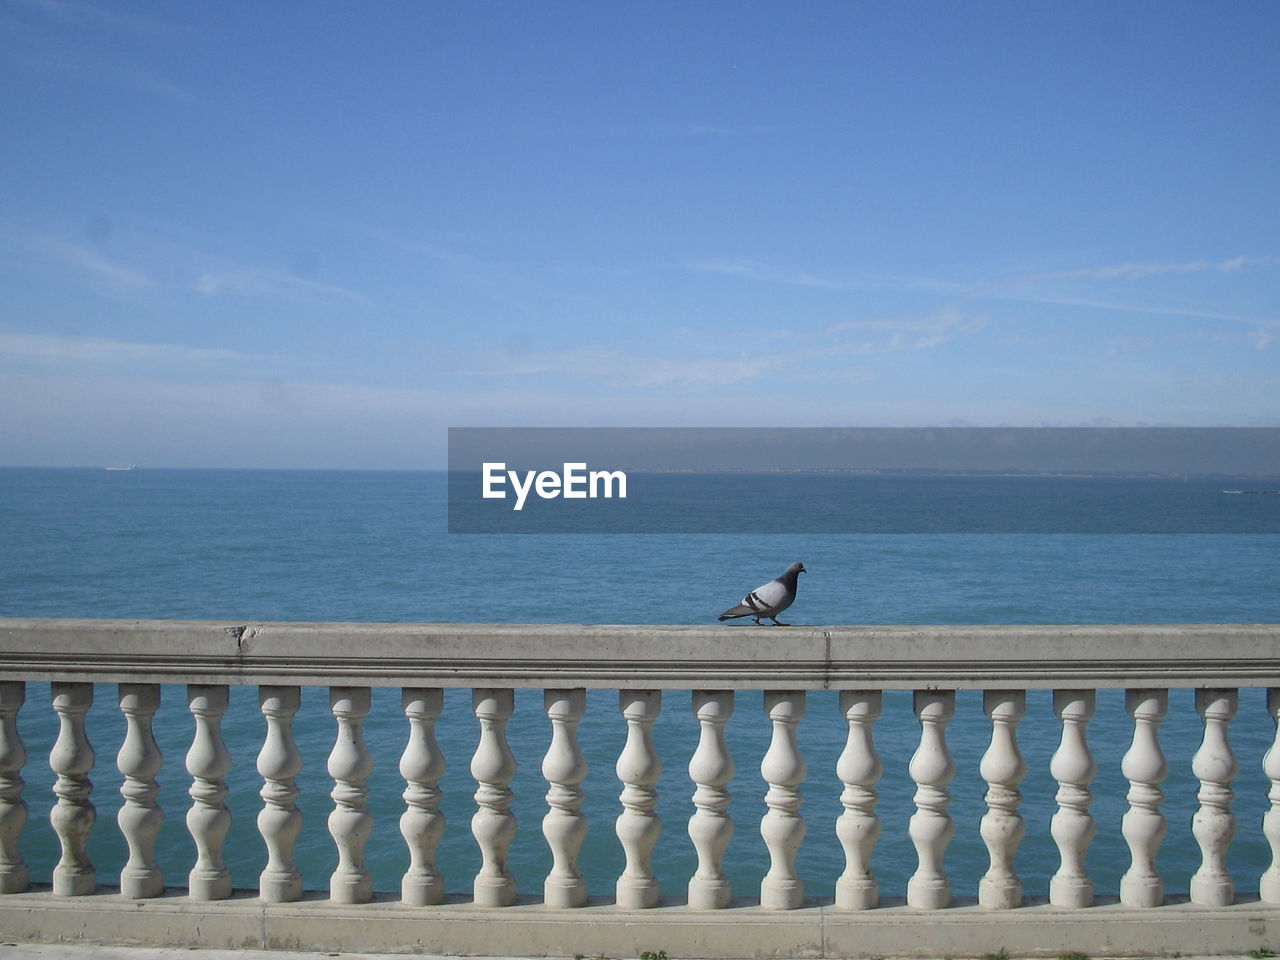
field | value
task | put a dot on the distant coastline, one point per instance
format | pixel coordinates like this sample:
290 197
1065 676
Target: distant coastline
941 473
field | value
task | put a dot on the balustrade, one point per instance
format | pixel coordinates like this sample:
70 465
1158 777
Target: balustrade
783 768
711 827
1002 827
1269 883
74 814
931 826
564 826
494 825
1213 824
140 816
1144 825
422 824
638 827
350 823
857 773
858 827
1072 826
208 820
13 809
279 821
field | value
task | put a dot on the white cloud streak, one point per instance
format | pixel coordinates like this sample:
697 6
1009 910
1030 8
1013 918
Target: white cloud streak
755 270
618 366
720 360
182 269
490 280
1117 306
54 42
244 281
1130 270
1095 288
948 321
106 352
100 268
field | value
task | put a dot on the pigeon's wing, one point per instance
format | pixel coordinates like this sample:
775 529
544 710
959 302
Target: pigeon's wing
769 595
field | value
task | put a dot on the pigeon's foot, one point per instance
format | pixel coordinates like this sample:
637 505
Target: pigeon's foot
777 624
757 620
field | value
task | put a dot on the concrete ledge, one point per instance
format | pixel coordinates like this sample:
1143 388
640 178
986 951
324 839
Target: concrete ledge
642 657
530 929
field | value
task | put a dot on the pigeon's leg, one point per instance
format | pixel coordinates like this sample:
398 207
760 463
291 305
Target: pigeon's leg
777 624
757 620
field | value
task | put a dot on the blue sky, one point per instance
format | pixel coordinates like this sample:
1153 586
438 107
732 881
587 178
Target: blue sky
318 234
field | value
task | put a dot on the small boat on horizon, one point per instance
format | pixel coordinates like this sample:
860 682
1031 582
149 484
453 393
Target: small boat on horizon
129 467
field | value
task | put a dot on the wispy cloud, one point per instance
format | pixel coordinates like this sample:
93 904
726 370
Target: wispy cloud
1259 338
747 268
660 130
755 270
101 268
1120 306
157 264
90 15
710 361
107 352
1131 270
491 280
687 130
617 366
1102 288
252 282
61 37
874 333
947 321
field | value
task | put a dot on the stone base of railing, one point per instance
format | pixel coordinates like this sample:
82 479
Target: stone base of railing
531 929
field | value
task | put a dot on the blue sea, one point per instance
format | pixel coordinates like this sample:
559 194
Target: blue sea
373 546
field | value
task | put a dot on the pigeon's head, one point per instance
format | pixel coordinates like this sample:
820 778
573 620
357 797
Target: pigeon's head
796 568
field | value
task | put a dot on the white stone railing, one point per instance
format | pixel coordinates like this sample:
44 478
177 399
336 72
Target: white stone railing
640 662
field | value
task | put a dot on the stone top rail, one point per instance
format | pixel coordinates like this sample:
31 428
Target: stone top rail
642 657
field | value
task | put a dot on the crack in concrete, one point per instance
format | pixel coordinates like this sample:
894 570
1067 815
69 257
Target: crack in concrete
239 634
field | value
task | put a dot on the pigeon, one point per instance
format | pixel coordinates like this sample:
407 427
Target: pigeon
770 599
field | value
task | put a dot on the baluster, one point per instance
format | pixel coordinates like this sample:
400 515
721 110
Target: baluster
1269 884
711 827
1143 825
350 822
930 826
564 826
140 816
73 815
208 820
1002 827
422 823
279 820
1072 826
493 825
782 827
1213 825
858 827
13 809
638 767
